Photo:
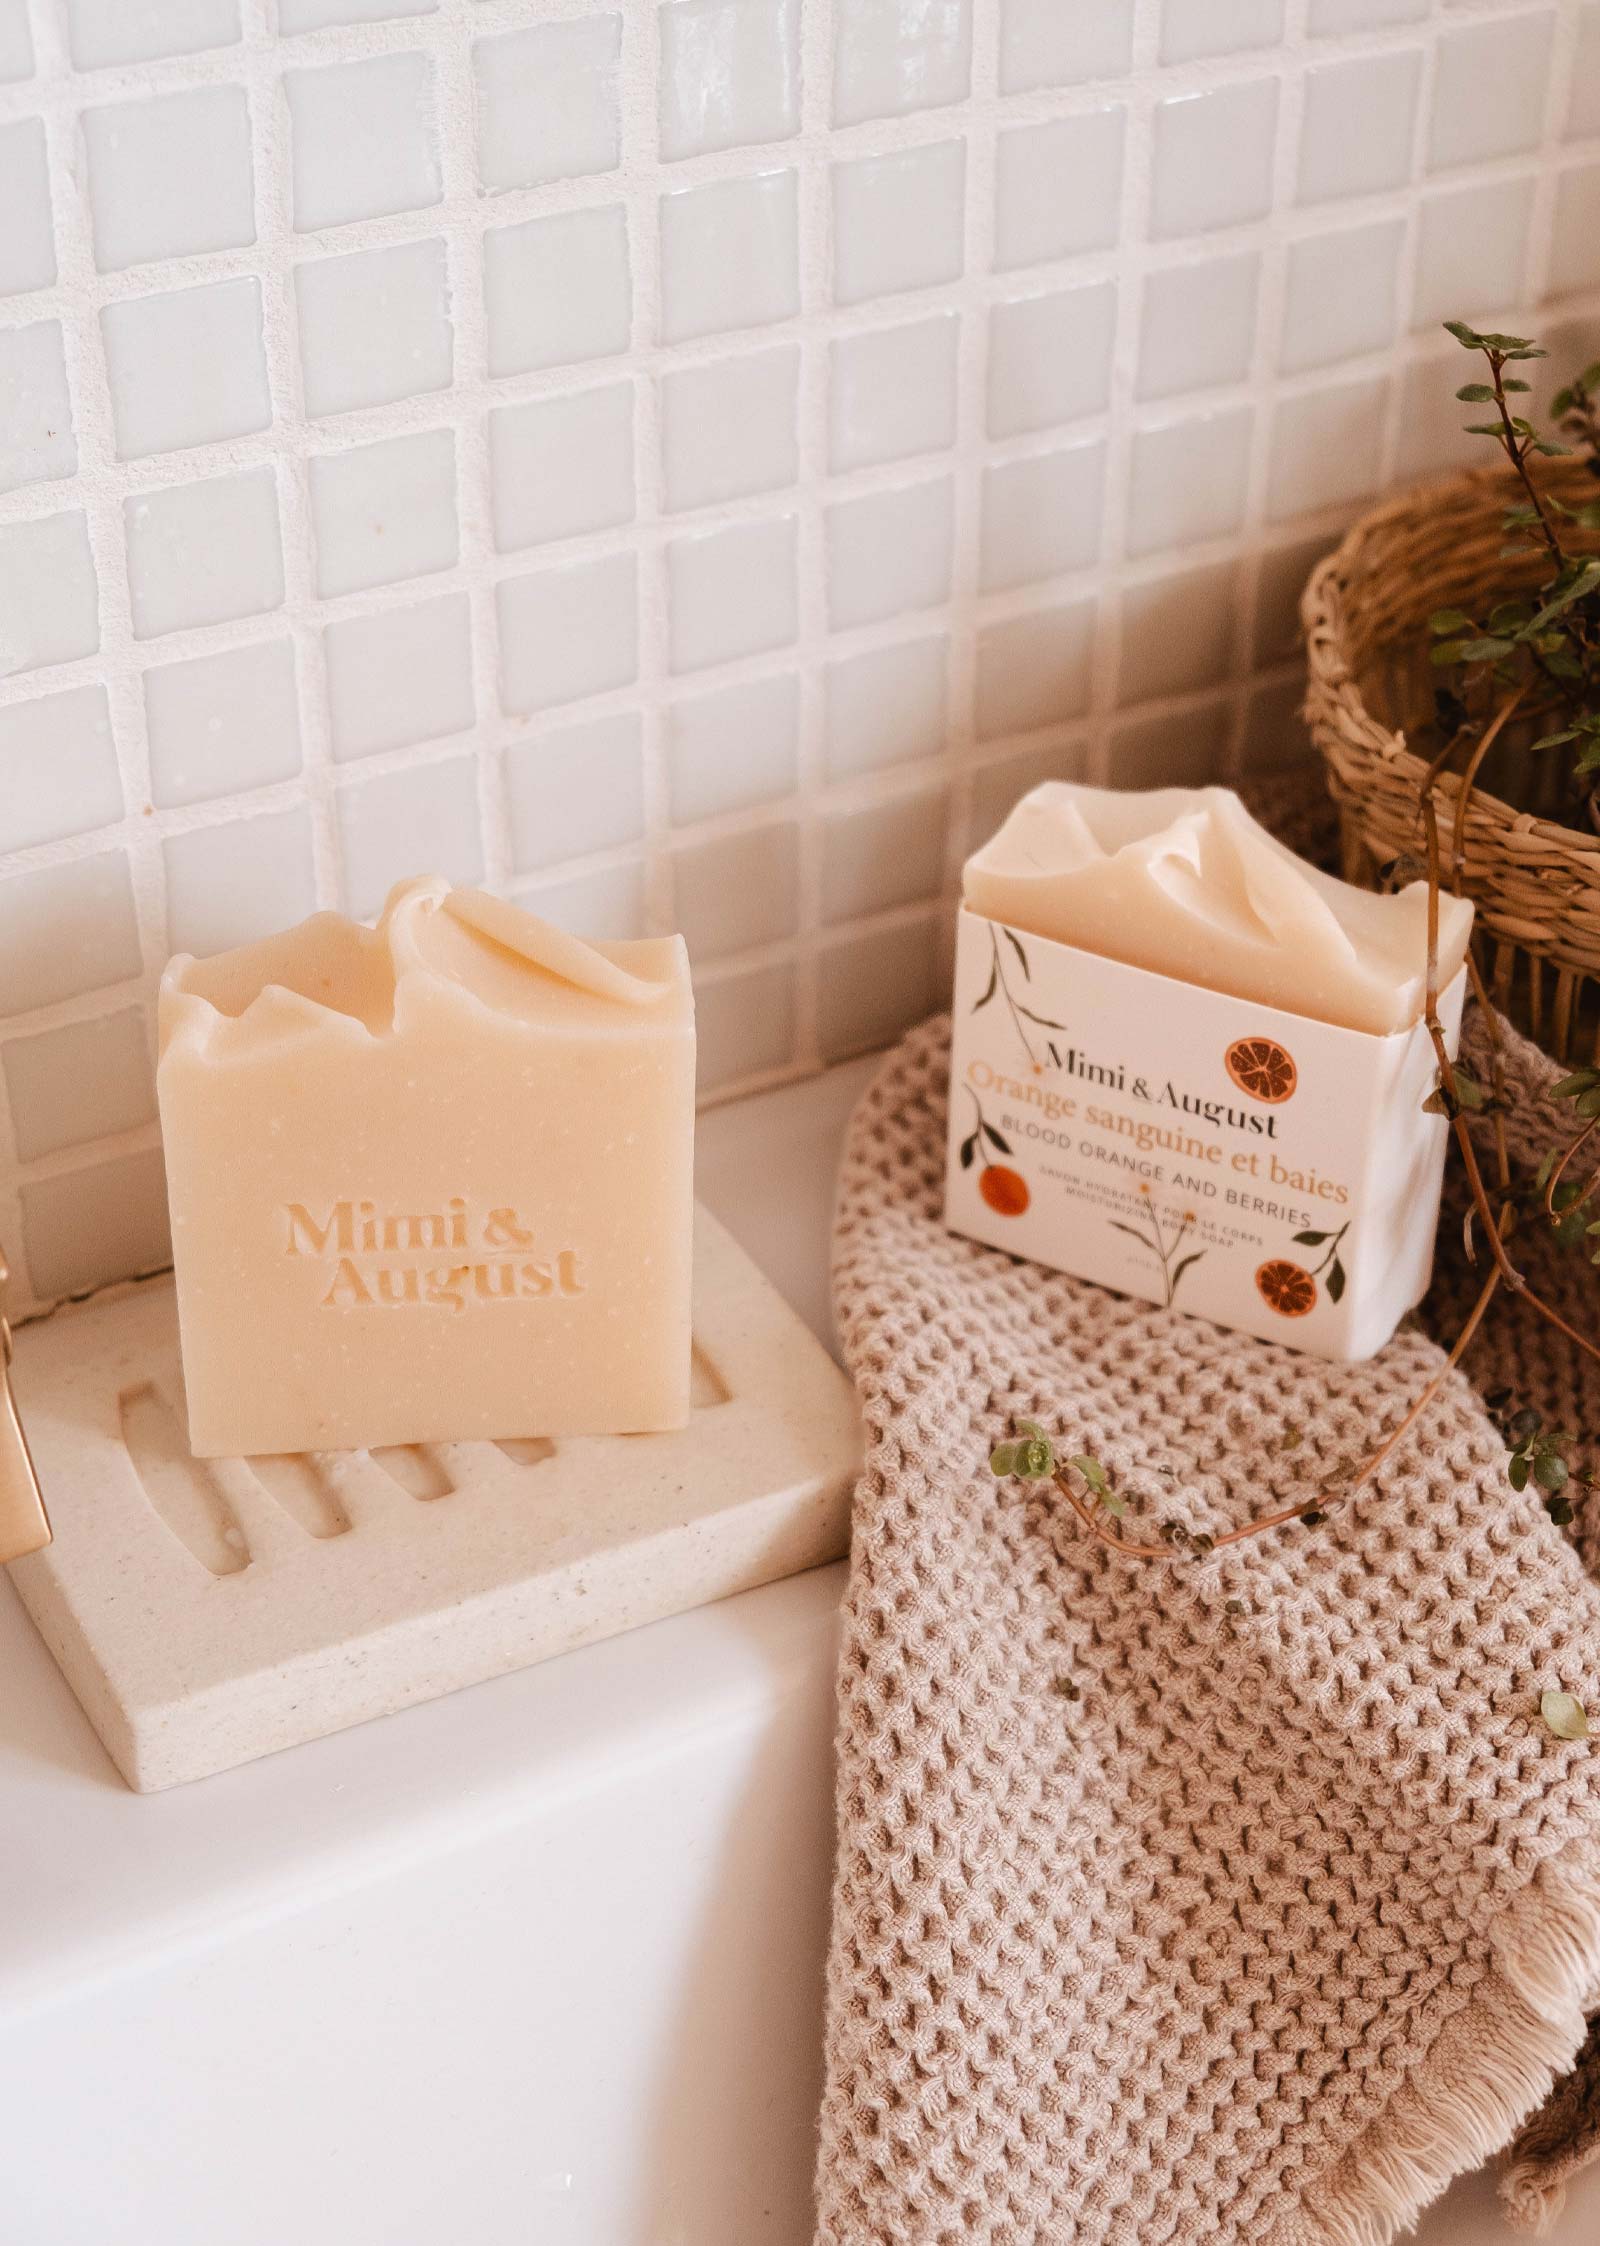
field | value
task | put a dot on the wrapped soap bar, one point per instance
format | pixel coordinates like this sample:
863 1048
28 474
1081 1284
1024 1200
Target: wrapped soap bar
1191 1067
429 1181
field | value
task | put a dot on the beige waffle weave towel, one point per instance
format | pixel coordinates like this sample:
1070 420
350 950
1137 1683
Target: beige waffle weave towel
1295 1912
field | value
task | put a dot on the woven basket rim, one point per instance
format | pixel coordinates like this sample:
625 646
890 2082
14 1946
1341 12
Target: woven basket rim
1322 611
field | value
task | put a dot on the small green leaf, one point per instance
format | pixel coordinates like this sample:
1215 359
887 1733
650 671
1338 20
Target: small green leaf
1449 621
1570 587
1093 1473
1476 394
1564 1715
1468 1090
1035 1459
1553 740
1468 338
1003 1458
1518 1471
1550 1472
1488 650
1560 1511
1581 1080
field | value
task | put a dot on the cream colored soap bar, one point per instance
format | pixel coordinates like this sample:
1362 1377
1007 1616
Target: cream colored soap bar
1184 881
429 1181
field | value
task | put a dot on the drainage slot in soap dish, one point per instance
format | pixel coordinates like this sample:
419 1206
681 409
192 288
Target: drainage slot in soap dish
304 1491
416 1467
182 1489
707 1388
526 1450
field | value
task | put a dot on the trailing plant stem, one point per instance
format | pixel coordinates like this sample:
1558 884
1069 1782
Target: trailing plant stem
1516 449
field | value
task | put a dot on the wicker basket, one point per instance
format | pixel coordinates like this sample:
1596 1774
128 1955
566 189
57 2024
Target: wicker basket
1535 882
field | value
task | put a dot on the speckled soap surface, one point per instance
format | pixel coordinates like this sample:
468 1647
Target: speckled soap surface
209 1612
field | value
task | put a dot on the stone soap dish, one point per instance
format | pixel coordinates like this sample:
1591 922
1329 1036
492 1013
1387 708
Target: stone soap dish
206 1612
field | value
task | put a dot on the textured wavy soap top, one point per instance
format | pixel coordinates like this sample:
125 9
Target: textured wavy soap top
1184 882
433 946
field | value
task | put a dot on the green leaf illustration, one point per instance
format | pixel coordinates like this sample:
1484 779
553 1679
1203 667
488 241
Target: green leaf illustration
1183 1266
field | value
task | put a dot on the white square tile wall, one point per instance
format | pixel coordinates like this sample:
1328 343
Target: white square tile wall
688 463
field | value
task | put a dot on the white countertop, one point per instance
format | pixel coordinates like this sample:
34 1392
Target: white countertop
98 1886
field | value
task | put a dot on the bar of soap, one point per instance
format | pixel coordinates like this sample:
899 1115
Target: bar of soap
1184 882
429 1181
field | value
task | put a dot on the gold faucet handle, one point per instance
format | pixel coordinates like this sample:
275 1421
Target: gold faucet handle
24 1524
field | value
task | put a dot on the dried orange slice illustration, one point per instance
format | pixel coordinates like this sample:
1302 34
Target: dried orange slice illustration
1261 1067
1288 1288
1005 1192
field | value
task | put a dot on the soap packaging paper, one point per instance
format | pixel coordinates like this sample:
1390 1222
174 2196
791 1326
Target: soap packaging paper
1234 1157
429 1181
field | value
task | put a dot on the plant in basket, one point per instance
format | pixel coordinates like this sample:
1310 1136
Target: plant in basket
1453 657
1535 654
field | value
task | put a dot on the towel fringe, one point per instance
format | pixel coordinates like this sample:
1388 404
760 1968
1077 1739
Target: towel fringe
1490 2068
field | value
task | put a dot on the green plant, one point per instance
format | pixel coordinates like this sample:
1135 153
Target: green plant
1534 655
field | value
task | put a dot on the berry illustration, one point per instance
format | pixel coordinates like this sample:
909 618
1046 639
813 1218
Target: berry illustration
1005 1192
